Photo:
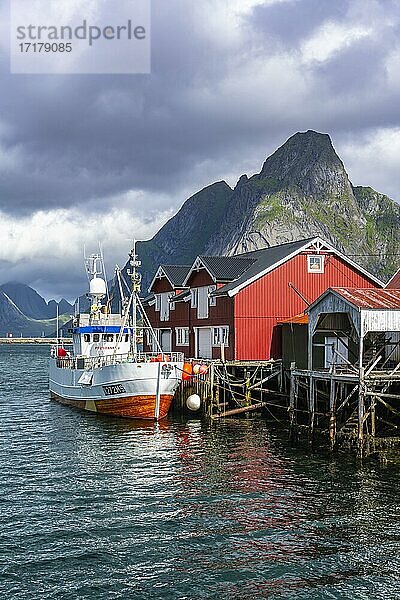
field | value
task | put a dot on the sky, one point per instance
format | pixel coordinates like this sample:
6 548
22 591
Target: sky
104 158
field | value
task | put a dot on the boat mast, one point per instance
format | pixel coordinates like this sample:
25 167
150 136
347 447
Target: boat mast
136 279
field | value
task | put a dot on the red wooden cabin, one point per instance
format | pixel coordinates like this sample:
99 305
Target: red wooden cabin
237 301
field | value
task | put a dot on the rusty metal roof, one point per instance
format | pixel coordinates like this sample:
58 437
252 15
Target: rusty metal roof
387 299
301 319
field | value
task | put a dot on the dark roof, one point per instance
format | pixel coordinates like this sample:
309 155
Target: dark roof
176 273
226 268
262 260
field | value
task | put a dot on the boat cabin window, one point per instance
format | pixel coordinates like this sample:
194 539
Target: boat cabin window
108 337
86 337
127 337
96 337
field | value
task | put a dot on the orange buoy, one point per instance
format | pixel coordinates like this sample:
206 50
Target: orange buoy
187 371
160 358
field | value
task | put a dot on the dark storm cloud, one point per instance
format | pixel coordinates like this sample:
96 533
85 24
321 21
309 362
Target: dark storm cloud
214 100
292 21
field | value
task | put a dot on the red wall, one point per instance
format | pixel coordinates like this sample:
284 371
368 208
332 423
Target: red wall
262 304
200 278
185 316
222 314
161 285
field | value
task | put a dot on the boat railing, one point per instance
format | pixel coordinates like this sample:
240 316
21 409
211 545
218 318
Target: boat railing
160 357
97 362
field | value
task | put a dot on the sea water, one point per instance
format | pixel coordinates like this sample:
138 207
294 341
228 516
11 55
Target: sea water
94 507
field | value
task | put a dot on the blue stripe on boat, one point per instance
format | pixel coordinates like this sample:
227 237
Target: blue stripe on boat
101 329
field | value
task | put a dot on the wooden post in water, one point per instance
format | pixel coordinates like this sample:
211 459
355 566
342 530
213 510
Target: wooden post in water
292 416
361 396
361 408
373 416
247 385
217 393
211 408
332 412
311 407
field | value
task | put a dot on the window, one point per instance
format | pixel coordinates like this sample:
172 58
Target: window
96 337
202 303
164 306
158 302
213 299
171 302
126 337
220 336
108 337
86 337
315 263
194 295
149 337
182 336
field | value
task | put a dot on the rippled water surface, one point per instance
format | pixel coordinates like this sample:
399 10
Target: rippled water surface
105 508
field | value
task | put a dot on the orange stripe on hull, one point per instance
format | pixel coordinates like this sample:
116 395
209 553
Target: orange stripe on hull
132 407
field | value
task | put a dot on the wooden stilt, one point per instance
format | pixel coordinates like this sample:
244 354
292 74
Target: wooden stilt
292 415
332 413
311 407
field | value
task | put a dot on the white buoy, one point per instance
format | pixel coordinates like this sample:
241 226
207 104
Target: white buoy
193 402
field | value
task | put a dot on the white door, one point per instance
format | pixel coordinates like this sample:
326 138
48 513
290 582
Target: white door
165 340
336 351
204 348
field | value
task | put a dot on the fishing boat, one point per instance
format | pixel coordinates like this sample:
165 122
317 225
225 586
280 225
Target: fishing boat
106 373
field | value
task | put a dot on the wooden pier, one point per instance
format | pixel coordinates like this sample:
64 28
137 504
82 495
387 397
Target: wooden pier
355 409
341 407
236 388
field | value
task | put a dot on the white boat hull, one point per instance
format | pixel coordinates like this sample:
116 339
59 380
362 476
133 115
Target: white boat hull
130 389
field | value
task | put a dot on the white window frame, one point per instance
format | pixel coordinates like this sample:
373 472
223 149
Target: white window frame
182 336
165 306
171 302
311 258
158 302
194 297
203 302
220 335
212 299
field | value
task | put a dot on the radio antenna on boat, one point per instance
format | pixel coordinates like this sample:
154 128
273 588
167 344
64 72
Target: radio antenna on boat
103 266
136 279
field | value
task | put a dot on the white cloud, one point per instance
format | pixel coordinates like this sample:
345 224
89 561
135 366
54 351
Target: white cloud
331 38
373 160
52 242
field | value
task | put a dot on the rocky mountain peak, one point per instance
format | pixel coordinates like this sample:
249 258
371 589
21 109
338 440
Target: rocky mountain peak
309 161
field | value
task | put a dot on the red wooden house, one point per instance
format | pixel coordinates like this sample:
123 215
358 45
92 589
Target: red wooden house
237 301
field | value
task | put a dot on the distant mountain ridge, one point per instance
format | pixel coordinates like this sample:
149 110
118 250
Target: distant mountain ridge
302 190
24 312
